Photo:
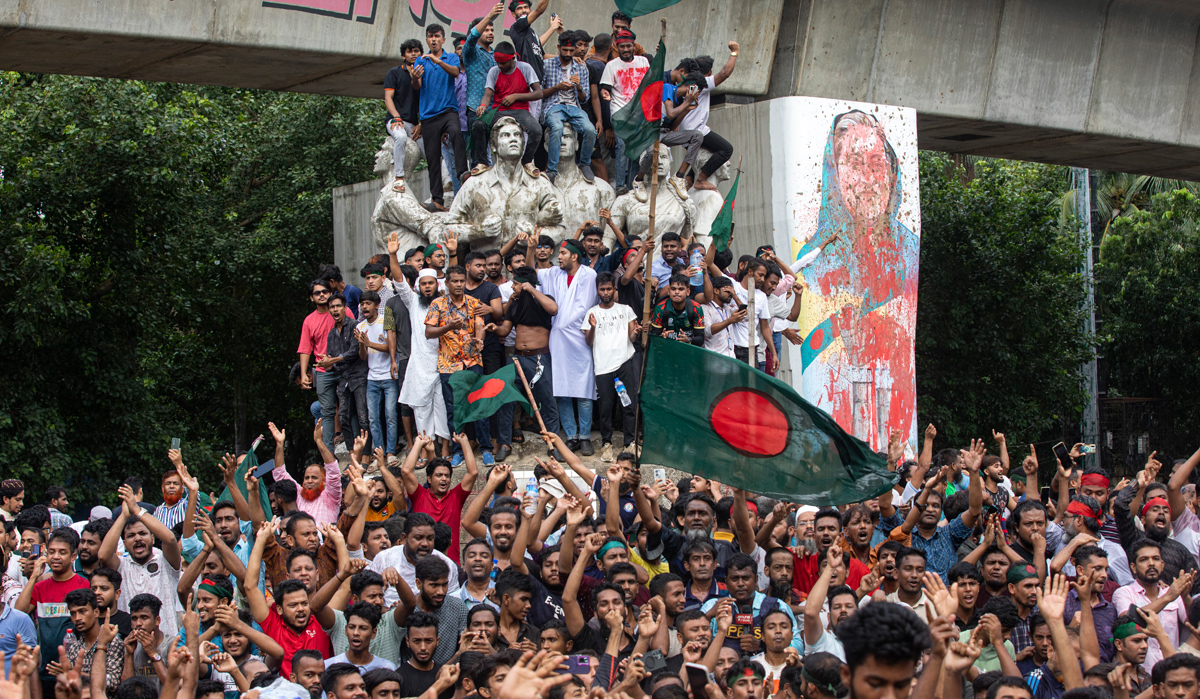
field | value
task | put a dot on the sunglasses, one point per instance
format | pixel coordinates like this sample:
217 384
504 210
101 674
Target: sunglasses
320 292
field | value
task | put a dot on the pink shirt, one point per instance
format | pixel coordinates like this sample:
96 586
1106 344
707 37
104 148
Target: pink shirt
314 333
1171 617
327 505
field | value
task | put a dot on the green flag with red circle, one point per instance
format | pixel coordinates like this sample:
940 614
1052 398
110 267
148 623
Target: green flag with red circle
637 123
478 397
712 415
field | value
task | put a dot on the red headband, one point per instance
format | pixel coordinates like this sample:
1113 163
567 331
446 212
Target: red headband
1151 503
1096 479
504 57
623 35
1078 508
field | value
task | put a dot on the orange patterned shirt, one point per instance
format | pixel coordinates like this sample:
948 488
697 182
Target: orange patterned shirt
456 351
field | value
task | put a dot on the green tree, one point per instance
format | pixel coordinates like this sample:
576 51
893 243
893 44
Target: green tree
156 241
1146 289
999 337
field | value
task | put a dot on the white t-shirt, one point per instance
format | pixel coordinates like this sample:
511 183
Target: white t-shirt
762 311
781 306
379 364
156 577
720 342
773 671
827 643
375 664
611 346
505 295
625 78
395 558
697 119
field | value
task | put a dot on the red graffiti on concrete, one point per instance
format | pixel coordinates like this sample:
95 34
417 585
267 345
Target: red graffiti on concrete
361 10
457 13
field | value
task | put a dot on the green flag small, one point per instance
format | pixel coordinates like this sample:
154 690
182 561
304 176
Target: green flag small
722 419
477 397
637 123
637 8
248 464
722 225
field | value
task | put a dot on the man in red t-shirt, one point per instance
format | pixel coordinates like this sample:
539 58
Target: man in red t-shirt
289 621
439 500
510 88
43 598
806 569
313 335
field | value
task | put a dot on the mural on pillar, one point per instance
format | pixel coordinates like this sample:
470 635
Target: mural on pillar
456 14
856 237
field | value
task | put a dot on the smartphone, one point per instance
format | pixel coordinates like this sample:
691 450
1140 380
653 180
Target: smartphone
36 550
1088 449
654 661
698 677
1045 492
660 474
1064 456
264 468
579 664
553 15
174 442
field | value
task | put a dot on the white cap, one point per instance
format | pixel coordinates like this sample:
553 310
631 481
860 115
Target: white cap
100 512
426 273
805 509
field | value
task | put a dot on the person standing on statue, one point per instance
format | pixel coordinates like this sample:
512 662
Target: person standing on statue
401 97
567 89
696 119
618 85
477 61
573 286
439 111
511 86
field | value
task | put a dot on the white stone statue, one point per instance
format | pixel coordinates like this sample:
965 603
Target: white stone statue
400 211
498 202
673 208
581 200
708 202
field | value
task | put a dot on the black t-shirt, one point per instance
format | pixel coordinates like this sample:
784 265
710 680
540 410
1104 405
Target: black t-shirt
484 293
595 72
529 48
594 639
417 681
544 606
122 621
632 294
406 99
525 310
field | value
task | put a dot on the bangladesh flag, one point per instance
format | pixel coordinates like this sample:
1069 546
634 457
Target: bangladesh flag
477 397
713 415
249 463
637 8
637 123
722 225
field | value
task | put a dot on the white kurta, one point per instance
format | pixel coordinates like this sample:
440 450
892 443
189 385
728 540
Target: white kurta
422 389
571 357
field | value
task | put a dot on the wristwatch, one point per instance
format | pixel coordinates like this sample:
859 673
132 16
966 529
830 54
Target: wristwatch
733 53
156 658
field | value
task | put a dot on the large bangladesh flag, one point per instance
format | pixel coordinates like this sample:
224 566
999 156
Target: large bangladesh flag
477 397
713 415
637 123
637 8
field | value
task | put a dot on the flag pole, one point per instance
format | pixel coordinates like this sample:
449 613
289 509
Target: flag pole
529 393
751 344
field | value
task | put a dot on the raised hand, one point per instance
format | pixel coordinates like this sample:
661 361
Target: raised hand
1030 464
930 432
895 446
69 684
944 601
1182 583
961 656
278 434
1053 599
998 437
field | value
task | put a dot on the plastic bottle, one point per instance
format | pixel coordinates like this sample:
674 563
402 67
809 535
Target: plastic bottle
697 260
531 489
622 393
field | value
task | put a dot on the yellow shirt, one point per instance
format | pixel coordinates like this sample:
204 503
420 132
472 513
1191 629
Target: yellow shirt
651 569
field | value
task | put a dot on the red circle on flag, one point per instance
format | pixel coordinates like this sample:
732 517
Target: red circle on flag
751 422
490 389
818 338
652 102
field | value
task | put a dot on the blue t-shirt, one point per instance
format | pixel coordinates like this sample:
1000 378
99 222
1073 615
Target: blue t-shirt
437 87
352 294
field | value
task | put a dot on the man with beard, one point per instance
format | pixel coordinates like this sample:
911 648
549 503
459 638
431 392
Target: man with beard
1177 678
225 535
700 563
302 532
574 377
321 489
307 668
531 313
751 606
940 544
106 583
1153 596
439 500
697 516
501 527
819 637
827 528
289 621
420 671
143 568
1156 523
432 597
1033 534
421 389
669 600
88 560
1095 484
343 681
996 498
401 561
1023 589
994 565
1082 528
1131 639
780 569
1091 564
175 498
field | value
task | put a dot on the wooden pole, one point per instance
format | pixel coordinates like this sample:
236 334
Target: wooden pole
529 393
648 280
751 324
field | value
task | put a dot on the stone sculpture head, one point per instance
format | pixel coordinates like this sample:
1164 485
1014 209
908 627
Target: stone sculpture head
664 162
508 140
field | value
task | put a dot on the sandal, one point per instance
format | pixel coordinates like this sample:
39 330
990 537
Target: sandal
518 438
398 185
433 207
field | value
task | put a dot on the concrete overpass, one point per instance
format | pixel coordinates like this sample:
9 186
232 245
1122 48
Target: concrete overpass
1111 84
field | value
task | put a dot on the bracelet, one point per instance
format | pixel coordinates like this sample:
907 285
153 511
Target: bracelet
733 53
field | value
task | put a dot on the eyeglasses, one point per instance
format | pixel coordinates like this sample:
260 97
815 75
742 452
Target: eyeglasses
321 292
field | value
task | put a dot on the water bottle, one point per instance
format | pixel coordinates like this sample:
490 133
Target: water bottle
531 489
696 260
622 393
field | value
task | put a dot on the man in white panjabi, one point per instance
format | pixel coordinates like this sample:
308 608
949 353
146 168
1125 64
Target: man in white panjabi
573 287
422 390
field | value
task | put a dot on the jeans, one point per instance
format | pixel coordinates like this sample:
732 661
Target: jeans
543 392
400 134
626 168
448 156
742 354
560 114
494 361
326 385
480 133
354 413
691 140
481 426
607 399
566 416
431 134
721 150
315 409
381 402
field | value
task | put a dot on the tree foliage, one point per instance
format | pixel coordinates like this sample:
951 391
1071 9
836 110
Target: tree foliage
155 244
1000 335
1146 284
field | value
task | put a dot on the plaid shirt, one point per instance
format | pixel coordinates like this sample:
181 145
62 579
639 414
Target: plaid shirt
941 550
1021 636
555 74
114 659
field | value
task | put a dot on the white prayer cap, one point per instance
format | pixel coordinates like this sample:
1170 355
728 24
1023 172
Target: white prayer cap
426 273
100 512
805 509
